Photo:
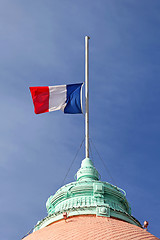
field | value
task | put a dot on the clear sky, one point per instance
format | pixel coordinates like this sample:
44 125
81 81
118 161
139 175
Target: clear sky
42 44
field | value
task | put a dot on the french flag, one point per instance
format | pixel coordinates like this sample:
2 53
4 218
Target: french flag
67 98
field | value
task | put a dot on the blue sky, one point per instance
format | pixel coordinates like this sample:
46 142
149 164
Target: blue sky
42 43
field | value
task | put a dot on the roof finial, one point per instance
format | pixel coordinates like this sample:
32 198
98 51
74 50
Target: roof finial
87 171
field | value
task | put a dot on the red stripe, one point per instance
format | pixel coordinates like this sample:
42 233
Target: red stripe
40 96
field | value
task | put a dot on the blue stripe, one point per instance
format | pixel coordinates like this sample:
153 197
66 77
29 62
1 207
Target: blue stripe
73 102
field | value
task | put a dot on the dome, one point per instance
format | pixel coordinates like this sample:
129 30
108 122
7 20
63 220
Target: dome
91 227
89 209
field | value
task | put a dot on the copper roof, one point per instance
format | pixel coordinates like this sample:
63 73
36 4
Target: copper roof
91 227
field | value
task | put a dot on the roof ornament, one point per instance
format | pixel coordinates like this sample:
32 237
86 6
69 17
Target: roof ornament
145 225
65 216
87 171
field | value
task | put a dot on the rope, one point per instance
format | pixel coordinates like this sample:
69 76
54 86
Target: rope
72 163
91 152
63 179
104 163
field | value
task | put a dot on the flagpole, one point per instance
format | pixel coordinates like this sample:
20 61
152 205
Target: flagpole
87 96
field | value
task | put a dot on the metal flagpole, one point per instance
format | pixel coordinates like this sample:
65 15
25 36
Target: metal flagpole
87 96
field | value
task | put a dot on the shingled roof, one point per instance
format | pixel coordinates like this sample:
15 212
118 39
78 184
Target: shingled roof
91 227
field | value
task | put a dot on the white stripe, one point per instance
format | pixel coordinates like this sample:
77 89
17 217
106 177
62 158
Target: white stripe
57 97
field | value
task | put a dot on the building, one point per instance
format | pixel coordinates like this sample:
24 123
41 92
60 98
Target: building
89 209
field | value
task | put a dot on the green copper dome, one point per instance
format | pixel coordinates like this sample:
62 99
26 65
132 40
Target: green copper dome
87 195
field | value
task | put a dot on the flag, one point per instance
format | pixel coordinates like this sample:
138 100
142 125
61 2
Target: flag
61 97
